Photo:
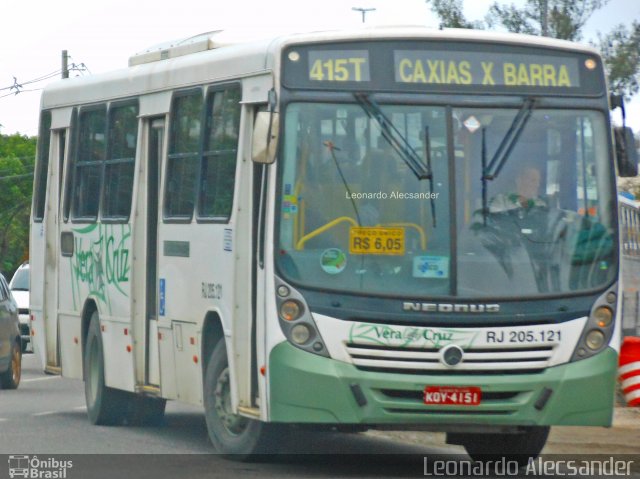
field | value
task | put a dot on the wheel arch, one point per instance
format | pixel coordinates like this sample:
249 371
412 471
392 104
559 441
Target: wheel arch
212 333
90 306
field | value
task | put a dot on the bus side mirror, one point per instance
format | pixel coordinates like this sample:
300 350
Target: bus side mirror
265 137
626 153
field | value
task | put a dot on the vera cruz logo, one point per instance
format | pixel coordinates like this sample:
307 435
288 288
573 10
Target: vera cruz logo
409 336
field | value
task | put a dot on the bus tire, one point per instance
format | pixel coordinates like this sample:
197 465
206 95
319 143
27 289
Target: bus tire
238 437
145 410
105 406
10 379
519 448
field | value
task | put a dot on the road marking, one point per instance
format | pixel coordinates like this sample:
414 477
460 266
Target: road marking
40 379
49 413
45 413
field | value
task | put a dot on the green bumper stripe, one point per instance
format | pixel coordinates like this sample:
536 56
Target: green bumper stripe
306 388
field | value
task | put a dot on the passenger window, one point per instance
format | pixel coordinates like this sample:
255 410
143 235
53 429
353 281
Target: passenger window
119 166
42 168
89 162
67 170
183 156
220 152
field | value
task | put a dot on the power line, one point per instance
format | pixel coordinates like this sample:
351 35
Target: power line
15 177
19 87
21 91
20 158
7 170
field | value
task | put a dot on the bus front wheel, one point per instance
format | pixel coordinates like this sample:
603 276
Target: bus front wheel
236 436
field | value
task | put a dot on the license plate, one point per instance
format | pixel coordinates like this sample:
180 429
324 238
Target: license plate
386 241
452 395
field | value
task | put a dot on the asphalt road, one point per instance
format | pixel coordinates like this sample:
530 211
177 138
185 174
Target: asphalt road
46 418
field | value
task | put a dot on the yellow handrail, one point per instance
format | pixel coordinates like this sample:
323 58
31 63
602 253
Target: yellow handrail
322 229
342 219
418 228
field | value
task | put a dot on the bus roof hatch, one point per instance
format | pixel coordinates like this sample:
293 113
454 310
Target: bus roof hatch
185 46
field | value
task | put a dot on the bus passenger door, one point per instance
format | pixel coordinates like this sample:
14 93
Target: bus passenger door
52 257
156 133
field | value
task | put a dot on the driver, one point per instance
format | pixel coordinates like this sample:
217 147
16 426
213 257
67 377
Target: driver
526 194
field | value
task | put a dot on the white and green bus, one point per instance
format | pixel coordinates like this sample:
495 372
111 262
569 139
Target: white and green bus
329 229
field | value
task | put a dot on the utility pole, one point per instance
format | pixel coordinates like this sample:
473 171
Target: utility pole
544 20
65 64
364 11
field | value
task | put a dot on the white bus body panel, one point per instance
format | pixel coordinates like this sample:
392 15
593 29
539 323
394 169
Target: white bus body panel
99 271
70 345
36 288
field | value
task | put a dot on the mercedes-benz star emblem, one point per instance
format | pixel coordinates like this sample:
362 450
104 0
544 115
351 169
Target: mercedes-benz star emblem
451 355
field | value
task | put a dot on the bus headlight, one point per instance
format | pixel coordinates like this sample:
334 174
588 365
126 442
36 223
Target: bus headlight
296 321
594 339
598 330
603 316
290 310
300 333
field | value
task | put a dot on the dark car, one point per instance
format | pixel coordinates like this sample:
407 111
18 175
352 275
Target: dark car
10 342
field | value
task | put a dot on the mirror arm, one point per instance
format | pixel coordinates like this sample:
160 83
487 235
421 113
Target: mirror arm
617 101
273 101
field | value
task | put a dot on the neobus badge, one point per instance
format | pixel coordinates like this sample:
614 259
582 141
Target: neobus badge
450 308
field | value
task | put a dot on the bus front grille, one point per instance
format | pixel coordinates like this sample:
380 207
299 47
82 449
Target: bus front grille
428 360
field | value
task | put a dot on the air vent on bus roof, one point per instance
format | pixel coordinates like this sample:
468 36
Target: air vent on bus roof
187 46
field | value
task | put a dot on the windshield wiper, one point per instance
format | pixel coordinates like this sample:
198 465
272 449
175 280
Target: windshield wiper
491 170
394 137
509 141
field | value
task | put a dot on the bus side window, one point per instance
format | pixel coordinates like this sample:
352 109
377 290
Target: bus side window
184 147
218 167
42 166
119 166
89 161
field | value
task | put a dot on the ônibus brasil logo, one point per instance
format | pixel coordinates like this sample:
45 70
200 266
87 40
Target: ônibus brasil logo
38 468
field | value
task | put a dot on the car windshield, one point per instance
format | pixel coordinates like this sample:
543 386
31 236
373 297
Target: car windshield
511 206
20 280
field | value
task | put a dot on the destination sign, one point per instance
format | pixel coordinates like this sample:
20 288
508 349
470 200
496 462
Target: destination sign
486 69
425 66
339 65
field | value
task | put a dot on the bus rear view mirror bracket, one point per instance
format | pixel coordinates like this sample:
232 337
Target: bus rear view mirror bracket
626 153
265 137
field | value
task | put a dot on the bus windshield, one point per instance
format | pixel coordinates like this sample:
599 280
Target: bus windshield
510 208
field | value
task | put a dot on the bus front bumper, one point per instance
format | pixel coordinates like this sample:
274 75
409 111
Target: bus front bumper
306 388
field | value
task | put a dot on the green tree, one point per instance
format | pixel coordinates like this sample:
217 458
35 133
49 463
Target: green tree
621 52
562 19
17 158
450 14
